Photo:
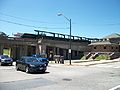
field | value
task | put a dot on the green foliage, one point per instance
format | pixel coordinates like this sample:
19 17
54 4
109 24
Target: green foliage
2 34
102 57
6 51
83 58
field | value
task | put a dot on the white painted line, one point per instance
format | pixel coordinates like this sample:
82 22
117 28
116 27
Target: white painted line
106 66
6 68
115 88
102 65
117 67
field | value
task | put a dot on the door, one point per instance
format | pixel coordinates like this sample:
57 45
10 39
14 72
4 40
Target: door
17 53
23 64
19 63
7 51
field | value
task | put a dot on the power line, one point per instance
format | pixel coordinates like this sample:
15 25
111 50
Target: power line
29 25
22 18
114 24
25 19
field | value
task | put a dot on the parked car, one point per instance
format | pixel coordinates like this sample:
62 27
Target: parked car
41 58
30 64
5 59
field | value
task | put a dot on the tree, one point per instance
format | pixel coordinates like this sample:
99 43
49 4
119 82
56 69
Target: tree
2 34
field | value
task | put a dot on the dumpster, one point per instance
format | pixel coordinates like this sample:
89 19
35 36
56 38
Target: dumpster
59 59
62 59
56 58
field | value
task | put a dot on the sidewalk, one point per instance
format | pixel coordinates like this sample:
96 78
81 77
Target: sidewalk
88 63
83 62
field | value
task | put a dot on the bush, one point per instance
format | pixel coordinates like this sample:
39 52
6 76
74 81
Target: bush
102 57
83 58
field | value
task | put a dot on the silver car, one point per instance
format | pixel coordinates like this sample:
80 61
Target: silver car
5 59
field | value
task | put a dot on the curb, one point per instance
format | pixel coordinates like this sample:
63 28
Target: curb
89 63
95 63
100 63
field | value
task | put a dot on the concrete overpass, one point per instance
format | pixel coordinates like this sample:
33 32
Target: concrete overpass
44 42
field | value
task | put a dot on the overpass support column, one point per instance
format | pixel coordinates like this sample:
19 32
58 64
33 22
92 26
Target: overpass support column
58 51
41 49
1 49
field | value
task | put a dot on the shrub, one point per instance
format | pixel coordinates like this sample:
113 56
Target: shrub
83 58
102 57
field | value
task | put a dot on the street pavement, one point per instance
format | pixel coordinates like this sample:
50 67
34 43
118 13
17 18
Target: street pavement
78 76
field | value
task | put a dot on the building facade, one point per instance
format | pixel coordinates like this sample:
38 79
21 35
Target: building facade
43 42
110 46
17 47
52 44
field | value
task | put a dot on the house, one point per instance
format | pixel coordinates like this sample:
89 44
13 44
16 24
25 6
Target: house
109 45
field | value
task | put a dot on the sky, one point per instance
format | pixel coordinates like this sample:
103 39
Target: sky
90 18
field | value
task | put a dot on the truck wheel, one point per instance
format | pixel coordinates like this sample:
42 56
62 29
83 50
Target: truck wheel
17 68
27 69
11 64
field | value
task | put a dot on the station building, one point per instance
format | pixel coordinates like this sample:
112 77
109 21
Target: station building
109 45
26 44
49 43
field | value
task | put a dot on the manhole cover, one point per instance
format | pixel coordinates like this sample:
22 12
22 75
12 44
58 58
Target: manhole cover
66 79
111 73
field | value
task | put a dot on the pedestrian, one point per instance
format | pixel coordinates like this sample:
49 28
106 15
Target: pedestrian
50 57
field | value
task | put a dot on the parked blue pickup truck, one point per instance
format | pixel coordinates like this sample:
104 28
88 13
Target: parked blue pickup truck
41 58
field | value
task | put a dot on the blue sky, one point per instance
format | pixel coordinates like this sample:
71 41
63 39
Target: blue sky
90 18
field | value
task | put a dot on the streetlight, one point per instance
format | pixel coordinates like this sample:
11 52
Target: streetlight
60 14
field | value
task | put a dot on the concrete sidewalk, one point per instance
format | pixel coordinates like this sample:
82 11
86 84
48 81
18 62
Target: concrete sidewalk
82 62
88 63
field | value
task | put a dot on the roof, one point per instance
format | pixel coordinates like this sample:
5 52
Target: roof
2 34
114 35
103 43
27 35
54 36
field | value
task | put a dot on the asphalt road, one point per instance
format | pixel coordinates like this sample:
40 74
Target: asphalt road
58 77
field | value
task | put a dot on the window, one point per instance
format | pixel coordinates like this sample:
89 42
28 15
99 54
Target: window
94 47
75 53
104 47
21 59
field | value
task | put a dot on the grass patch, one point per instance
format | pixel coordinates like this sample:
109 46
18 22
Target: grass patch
83 58
51 62
102 57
